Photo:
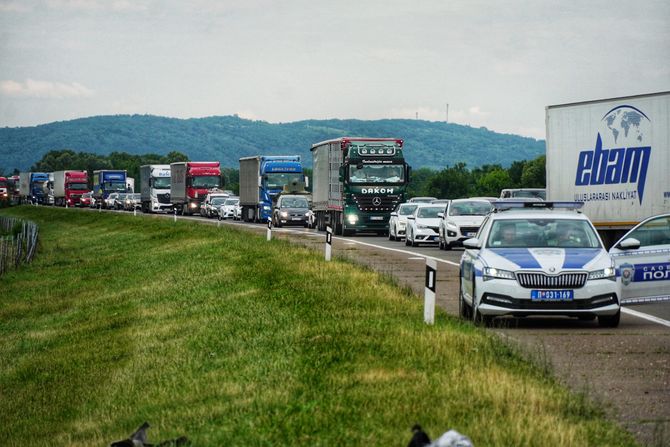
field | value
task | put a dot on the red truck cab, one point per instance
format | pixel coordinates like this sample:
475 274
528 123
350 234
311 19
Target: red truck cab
191 182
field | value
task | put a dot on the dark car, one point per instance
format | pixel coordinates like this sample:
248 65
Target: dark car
291 210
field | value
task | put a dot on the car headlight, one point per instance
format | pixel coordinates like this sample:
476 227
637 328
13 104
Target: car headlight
452 226
606 273
493 273
402 225
283 214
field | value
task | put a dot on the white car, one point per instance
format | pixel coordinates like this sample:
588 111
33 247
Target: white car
538 258
422 225
398 220
461 220
210 206
227 208
642 258
110 201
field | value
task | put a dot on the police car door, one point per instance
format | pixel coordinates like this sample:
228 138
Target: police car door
645 269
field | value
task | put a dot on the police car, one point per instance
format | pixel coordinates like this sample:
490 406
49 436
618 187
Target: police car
642 257
538 258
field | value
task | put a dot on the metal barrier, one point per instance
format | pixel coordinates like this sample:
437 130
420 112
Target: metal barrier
20 245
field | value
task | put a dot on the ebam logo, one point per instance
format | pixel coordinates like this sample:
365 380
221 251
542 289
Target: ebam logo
620 155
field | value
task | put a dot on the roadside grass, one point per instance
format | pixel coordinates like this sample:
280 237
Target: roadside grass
218 335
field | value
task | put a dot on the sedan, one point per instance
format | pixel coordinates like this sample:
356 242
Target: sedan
422 225
642 258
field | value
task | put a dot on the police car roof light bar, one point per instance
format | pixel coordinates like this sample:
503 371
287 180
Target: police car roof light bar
501 205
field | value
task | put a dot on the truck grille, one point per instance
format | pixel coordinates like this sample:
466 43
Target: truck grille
542 281
369 202
163 198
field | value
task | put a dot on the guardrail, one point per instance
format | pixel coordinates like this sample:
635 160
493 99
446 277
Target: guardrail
19 245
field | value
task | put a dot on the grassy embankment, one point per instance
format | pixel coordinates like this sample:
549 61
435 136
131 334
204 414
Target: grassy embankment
216 334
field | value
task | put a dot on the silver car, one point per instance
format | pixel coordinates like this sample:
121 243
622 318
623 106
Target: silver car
398 220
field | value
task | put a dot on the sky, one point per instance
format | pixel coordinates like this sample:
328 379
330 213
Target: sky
495 64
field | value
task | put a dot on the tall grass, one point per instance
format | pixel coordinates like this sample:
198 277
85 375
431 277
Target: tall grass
219 335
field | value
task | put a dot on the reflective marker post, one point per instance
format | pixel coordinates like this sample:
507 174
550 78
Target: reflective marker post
175 214
329 243
134 211
429 300
269 237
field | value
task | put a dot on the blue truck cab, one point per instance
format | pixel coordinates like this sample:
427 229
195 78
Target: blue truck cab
262 178
106 182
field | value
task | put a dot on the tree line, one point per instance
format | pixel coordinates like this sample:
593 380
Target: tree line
452 182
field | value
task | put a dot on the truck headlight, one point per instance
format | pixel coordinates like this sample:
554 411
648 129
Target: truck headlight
266 208
606 273
493 273
352 218
194 205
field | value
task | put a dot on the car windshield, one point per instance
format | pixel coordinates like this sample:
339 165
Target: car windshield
121 196
470 208
429 212
539 233
528 193
218 200
231 201
294 202
406 210
206 181
376 173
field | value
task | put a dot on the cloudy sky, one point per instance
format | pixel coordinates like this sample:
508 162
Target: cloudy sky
495 63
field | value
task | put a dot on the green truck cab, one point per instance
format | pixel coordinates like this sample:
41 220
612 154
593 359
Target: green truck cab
357 183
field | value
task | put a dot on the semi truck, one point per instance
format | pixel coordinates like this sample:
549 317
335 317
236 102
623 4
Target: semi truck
68 187
191 181
262 177
155 188
106 182
613 155
357 183
33 187
5 195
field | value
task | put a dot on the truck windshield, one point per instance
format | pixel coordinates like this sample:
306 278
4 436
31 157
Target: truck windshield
206 181
376 174
78 186
276 180
111 186
161 182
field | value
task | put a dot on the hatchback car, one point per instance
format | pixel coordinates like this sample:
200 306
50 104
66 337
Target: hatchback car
461 220
642 258
398 220
422 225
291 210
538 258
110 201
132 201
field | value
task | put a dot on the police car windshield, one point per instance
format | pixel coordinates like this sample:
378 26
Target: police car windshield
542 233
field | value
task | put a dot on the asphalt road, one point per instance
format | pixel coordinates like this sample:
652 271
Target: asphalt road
625 369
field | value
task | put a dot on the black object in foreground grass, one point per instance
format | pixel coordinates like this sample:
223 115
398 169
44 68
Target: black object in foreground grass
419 438
139 439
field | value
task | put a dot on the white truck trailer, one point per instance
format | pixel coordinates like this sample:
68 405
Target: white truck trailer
613 155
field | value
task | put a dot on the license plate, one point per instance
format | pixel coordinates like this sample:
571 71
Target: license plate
471 234
376 217
552 295
296 218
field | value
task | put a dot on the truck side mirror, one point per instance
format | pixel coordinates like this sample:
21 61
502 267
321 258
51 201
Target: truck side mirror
408 173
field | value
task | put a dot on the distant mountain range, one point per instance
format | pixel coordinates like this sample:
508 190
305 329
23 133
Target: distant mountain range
227 138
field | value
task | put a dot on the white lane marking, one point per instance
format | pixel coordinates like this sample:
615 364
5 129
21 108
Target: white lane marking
645 316
416 257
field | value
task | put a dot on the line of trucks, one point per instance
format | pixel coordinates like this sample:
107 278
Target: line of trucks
611 154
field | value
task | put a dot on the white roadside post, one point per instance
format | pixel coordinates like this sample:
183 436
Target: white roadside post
134 210
329 243
175 214
429 301
269 236
100 206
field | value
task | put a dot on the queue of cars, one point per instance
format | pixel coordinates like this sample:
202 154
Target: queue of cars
531 257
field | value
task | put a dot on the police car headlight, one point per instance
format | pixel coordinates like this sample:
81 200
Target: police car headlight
493 273
606 273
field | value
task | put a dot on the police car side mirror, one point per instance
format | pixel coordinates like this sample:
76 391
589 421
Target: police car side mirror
472 243
628 244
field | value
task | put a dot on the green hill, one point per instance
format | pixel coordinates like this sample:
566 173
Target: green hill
227 138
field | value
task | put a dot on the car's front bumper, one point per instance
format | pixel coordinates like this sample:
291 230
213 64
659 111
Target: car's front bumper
507 297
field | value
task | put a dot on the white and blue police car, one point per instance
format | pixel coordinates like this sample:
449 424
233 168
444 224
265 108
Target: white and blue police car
538 258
